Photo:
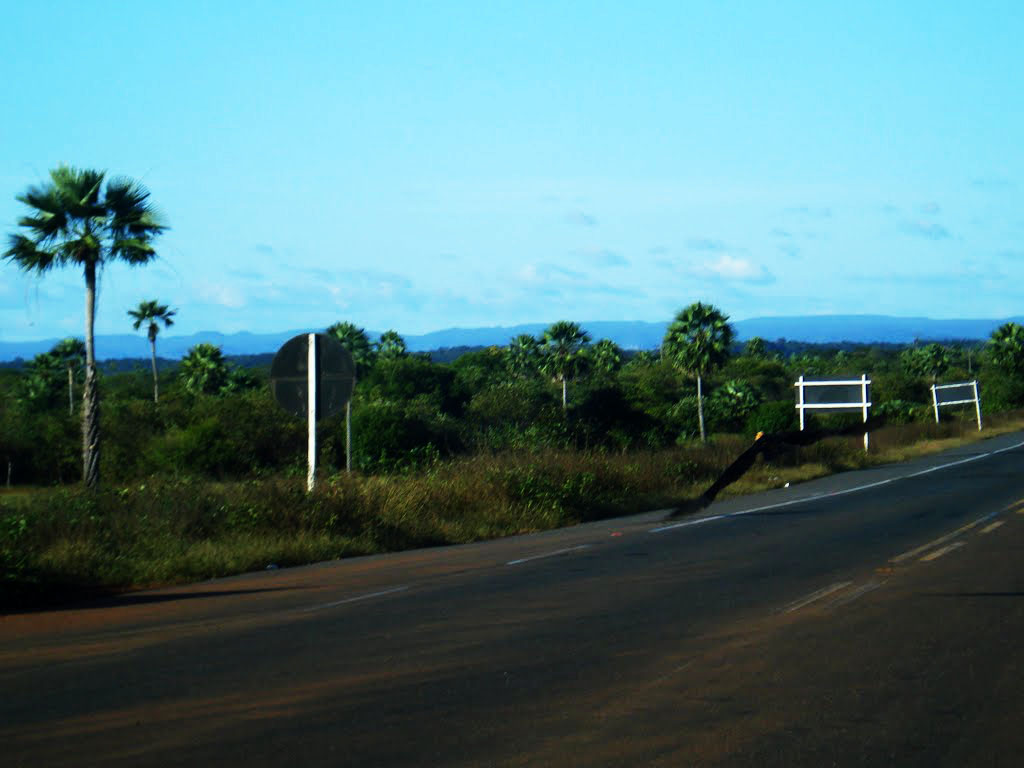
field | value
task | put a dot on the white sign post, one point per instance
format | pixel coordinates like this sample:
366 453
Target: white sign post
311 377
835 396
963 393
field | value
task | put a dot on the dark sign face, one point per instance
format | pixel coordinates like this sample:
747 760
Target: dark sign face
835 394
335 372
955 394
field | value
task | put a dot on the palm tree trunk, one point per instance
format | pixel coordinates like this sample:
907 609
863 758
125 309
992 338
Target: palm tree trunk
156 387
71 391
564 399
91 395
700 409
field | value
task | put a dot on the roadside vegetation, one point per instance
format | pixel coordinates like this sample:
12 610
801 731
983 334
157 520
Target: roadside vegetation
204 475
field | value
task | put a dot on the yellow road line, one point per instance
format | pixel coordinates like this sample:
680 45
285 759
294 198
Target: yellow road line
1017 505
992 526
940 552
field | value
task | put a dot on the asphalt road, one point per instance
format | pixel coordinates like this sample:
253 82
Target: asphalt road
872 618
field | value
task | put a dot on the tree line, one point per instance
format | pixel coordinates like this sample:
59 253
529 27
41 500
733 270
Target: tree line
558 390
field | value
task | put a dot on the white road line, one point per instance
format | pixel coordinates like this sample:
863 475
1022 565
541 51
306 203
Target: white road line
823 592
992 526
940 552
860 591
833 494
547 554
686 523
356 599
941 540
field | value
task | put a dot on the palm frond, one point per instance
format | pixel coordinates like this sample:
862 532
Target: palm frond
24 252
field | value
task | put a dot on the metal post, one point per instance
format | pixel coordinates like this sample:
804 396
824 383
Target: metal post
348 436
800 399
864 406
311 411
935 403
977 402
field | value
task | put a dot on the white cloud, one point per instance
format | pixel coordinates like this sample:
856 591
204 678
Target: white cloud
733 268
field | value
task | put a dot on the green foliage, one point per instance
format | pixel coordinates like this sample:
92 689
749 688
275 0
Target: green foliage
755 348
772 418
391 346
605 358
561 353
152 313
204 371
357 343
522 356
1005 349
928 362
698 340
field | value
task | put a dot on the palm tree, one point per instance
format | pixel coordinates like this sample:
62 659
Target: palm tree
606 357
204 369
354 339
561 353
391 346
71 352
697 342
75 221
151 312
1006 348
522 356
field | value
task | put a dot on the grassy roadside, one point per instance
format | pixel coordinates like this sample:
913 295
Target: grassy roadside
56 544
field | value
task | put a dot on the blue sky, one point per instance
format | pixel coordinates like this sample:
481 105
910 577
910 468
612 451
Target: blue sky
428 165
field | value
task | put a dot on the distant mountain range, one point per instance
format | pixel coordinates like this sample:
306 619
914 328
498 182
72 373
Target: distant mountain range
820 329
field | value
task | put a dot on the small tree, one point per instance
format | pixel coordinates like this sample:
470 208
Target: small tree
391 346
697 342
930 361
1006 348
204 370
522 356
605 358
72 352
354 339
756 348
151 312
562 355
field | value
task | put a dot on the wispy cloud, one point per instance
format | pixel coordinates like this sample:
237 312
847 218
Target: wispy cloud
706 244
263 248
782 233
992 183
811 211
581 218
929 209
930 230
603 257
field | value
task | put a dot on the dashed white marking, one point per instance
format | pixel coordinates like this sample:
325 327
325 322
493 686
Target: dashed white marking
859 592
815 596
992 526
356 599
547 554
834 494
944 551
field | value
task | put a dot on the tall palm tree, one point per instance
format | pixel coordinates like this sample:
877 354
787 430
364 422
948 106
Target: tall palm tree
151 312
697 342
71 352
354 339
74 220
562 355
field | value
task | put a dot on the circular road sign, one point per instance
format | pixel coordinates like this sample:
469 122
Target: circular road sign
335 375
